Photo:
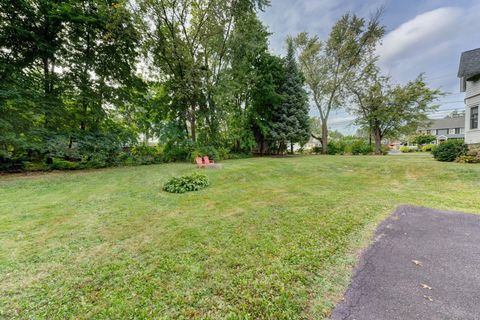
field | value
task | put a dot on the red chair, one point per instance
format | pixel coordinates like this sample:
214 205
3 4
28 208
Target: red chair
207 161
199 162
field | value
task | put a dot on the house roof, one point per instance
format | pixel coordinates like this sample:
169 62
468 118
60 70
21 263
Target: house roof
446 123
469 64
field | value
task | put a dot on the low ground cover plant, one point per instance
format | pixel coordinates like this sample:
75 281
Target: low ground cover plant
193 182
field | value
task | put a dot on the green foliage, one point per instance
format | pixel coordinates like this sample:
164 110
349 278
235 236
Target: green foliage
385 149
408 149
333 148
60 164
333 66
467 159
428 147
178 150
424 139
317 150
450 150
361 147
186 183
349 145
290 121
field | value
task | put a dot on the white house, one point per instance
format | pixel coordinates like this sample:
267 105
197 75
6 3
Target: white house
469 74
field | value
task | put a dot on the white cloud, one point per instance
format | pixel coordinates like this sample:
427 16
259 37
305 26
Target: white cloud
426 30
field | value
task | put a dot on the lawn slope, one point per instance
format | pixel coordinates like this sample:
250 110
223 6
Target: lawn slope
271 238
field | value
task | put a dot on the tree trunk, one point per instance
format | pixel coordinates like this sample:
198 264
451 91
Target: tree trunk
378 141
324 137
291 147
193 125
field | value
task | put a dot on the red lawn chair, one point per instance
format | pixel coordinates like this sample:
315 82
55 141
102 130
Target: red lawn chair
207 161
199 162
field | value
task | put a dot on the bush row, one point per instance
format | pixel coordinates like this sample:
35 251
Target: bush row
107 157
350 145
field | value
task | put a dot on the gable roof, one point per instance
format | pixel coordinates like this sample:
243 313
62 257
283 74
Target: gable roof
446 123
469 64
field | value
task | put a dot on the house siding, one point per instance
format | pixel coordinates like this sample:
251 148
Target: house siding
473 89
472 99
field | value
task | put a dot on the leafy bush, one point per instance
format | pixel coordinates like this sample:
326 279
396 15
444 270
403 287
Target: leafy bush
408 149
35 166
450 150
336 147
428 148
385 149
146 155
60 164
361 147
424 139
193 182
317 150
178 151
467 159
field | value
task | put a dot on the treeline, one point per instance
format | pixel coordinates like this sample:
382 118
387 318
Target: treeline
83 82
89 83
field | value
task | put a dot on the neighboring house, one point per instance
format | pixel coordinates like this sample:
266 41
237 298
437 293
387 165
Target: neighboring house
451 127
469 74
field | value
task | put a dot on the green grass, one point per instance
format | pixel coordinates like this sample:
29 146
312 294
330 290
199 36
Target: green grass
271 238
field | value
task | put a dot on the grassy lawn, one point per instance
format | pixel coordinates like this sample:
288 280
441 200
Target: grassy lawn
271 238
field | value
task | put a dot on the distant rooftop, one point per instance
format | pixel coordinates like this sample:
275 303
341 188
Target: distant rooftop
469 64
446 123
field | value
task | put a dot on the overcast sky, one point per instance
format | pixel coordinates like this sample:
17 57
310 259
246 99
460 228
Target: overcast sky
422 36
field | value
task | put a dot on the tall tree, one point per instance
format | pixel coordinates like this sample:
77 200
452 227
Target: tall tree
330 67
188 40
99 59
290 118
391 110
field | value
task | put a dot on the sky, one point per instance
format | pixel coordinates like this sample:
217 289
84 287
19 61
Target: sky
421 37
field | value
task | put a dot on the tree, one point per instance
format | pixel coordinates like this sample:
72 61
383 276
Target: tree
330 67
423 139
266 96
188 41
290 118
391 110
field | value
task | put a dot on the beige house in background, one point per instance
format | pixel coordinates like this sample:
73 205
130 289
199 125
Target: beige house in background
469 74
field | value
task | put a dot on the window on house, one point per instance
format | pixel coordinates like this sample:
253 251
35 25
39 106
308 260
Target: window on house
442 132
474 118
429 131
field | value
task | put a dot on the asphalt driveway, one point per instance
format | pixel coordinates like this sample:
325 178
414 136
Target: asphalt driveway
423 264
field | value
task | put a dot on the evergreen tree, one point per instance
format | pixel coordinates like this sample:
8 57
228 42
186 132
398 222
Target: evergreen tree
290 119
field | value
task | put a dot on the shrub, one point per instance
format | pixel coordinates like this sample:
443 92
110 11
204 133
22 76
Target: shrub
334 148
424 139
317 150
193 182
361 147
428 148
450 150
60 164
467 159
407 149
146 154
385 149
35 166
178 151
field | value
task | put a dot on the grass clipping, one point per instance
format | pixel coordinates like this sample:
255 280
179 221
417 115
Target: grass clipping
193 182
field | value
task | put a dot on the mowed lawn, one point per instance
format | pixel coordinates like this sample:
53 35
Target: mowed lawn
271 238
